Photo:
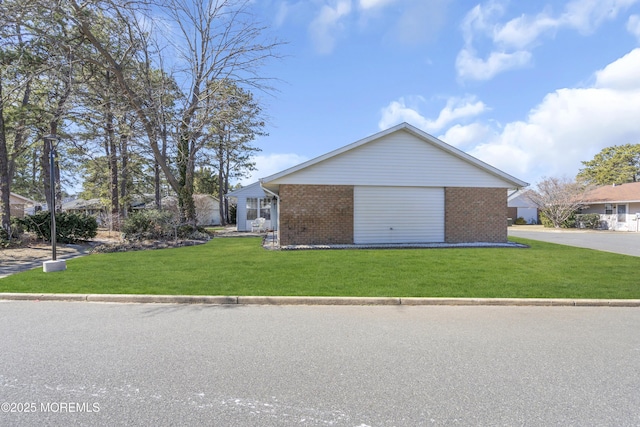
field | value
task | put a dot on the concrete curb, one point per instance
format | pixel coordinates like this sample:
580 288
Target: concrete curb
278 300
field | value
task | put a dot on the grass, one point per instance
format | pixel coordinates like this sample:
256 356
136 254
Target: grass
239 266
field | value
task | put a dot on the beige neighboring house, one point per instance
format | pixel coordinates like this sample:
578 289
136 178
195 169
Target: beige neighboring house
618 206
207 208
93 207
19 204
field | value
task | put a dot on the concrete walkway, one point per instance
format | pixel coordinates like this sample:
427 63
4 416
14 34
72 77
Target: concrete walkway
10 265
621 242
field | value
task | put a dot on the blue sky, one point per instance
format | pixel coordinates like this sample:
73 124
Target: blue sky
530 87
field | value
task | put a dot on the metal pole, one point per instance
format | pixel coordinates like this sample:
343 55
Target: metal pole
52 184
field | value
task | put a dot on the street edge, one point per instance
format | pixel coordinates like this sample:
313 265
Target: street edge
309 300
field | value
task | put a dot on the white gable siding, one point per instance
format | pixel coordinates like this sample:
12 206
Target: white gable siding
398 215
250 191
398 159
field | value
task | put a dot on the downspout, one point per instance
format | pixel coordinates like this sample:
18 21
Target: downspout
277 227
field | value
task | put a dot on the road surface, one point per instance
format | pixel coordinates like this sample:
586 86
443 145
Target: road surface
71 363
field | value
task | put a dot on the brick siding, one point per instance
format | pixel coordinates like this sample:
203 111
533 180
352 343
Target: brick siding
475 215
316 214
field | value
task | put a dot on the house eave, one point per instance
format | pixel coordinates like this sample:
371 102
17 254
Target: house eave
599 202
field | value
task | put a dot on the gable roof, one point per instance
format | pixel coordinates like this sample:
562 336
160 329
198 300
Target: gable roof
81 204
419 135
629 192
251 190
16 198
519 199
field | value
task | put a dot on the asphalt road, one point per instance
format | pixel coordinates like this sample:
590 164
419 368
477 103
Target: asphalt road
71 363
622 242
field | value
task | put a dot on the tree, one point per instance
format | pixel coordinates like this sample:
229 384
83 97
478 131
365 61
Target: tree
613 165
558 198
214 40
205 181
236 124
34 87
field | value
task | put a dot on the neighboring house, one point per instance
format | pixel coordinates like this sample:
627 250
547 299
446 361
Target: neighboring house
252 202
400 185
520 206
93 207
18 204
618 206
207 208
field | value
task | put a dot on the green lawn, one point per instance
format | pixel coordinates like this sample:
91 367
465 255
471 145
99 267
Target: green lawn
239 266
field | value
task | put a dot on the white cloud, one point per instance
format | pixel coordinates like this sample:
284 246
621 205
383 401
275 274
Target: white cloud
570 126
374 4
586 15
567 127
480 20
633 26
327 25
462 136
621 74
512 41
470 66
270 164
524 31
456 109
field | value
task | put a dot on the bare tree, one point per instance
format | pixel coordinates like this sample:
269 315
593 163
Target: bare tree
216 39
558 198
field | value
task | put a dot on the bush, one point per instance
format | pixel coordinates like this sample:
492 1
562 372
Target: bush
12 235
520 221
151 224
569 223
70 227
588 221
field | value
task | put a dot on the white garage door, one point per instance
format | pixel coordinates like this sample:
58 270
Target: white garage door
398 215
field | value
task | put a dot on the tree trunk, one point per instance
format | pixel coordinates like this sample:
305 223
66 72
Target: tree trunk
124 181
46 172
221 191
5 184
113 158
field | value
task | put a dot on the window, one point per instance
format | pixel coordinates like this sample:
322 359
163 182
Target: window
608 209
252 209
622 213
265 208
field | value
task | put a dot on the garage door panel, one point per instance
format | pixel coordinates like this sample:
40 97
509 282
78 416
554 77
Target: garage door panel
398 215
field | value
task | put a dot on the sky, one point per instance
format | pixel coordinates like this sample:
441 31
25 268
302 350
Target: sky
530 87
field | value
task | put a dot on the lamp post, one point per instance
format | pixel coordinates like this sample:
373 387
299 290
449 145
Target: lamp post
54 264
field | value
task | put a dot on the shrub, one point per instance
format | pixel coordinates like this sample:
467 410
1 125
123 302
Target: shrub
10 236
520 221
70 227
569 223
588 221
149 224
152 224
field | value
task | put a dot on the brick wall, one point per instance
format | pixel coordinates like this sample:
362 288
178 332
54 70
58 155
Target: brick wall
475 215
316 214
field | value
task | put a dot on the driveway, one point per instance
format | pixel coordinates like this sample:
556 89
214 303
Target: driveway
621 242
